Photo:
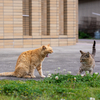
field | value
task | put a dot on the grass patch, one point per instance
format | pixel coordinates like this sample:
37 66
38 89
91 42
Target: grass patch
83 35
55 87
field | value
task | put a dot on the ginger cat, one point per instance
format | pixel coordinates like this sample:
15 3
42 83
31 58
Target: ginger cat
28 61
87 60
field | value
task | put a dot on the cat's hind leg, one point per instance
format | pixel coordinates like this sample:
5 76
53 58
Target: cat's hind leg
21 71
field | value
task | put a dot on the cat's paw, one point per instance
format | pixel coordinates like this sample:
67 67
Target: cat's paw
43 76
33 76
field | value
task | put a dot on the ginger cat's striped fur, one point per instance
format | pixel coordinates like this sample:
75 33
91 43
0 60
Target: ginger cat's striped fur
28 61
87 60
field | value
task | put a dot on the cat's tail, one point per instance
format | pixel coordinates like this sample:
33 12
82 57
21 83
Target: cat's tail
94 48
7 74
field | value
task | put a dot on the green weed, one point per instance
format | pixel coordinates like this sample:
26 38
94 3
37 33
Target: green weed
54 87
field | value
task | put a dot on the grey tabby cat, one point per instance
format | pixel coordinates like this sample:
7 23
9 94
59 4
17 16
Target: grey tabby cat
87 60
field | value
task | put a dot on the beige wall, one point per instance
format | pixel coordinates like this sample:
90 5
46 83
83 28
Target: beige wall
51 22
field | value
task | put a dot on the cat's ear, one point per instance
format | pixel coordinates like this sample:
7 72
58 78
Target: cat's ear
81 52
48 45
88 54
43 47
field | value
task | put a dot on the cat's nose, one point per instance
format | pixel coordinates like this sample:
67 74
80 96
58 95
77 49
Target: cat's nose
82 60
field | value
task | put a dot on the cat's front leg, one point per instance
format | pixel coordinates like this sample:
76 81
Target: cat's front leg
80 71
32 69
32 74
39 69
91 71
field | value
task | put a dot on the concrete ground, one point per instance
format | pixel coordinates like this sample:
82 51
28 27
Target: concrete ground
66 57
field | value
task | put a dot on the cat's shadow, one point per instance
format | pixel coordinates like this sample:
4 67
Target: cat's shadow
24 79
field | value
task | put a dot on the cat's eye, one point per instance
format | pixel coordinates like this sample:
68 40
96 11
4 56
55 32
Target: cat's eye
50 50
